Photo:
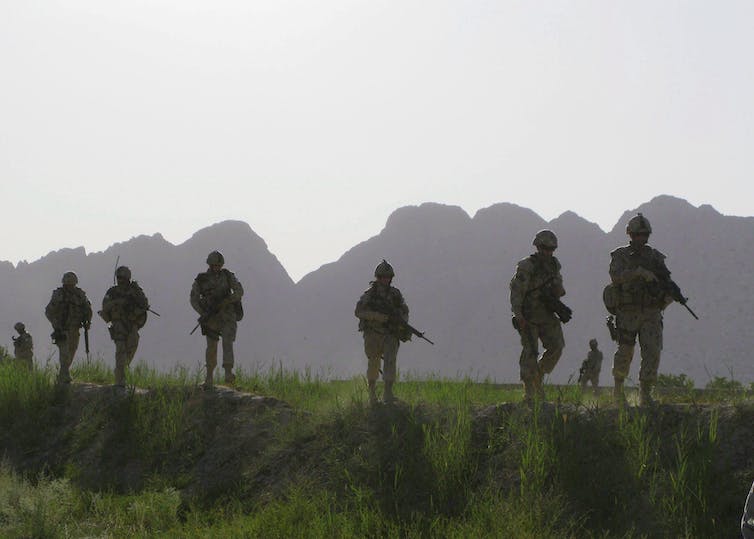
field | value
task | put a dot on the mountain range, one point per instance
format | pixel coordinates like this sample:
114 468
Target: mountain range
454 271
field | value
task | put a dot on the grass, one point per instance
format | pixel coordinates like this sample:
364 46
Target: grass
450 461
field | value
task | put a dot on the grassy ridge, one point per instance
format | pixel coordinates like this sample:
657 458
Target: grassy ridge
446 462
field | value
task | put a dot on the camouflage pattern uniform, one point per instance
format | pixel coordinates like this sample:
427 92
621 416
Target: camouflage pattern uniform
640 302
591 367
124 308
216 295
23 346
382 336
532 275
68 311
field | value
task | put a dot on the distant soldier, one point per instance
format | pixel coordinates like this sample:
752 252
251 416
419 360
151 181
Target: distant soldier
638 295
591 367
379 310
68 311
535 292
216 295
124 308
23 346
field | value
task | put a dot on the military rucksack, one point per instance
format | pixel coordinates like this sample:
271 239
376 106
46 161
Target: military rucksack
611 298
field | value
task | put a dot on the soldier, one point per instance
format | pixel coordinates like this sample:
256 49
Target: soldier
591 367
534 288
124 309
379 308
23 346
216 295
68 311
638 297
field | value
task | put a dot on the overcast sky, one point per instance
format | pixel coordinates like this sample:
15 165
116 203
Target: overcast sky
313 121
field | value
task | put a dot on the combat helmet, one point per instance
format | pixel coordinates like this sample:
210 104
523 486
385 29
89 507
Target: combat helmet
19 326
545 238
592 342
638 224
384 269
215 258
123 272
70 278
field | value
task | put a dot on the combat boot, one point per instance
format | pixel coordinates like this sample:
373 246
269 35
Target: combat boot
64 376
230 378
372 392
209 380
645 395
619 397
388 396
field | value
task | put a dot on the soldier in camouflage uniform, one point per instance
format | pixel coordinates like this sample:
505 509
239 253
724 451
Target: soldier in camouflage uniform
124 309
639 300
68 311
591 367
532 318
216 295
23 346
378 310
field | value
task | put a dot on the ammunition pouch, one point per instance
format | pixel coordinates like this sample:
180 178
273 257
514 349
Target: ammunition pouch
58 336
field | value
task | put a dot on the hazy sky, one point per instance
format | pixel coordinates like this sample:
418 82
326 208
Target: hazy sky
312 121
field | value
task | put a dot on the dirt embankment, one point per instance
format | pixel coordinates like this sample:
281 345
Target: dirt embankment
224 442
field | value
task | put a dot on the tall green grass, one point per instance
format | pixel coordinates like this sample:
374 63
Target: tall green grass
449 460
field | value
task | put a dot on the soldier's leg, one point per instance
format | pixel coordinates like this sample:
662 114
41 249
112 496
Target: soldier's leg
210 361
650 341
64 375
229 336
132 344
121 360
527 363
626 325
553 343
373 348
390 355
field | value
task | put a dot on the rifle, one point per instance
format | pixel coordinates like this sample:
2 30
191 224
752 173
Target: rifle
552 302
210 313
672 289
85 325
396 319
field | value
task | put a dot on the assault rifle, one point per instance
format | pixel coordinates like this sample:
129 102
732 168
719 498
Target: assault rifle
398 320
210 313
672 289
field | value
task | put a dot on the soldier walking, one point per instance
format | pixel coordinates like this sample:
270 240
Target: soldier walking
68 311
591 367
379 310
641 289
124 309
536 286
23 346
216 295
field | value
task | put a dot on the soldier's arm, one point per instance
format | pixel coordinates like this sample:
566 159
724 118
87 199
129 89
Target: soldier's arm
237 288
557 284
195 299
518 286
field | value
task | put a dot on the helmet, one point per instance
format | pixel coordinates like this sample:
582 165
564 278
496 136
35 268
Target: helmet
384 269
638 224
215 258
592 342
123 273
545 238
19 326
70 278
